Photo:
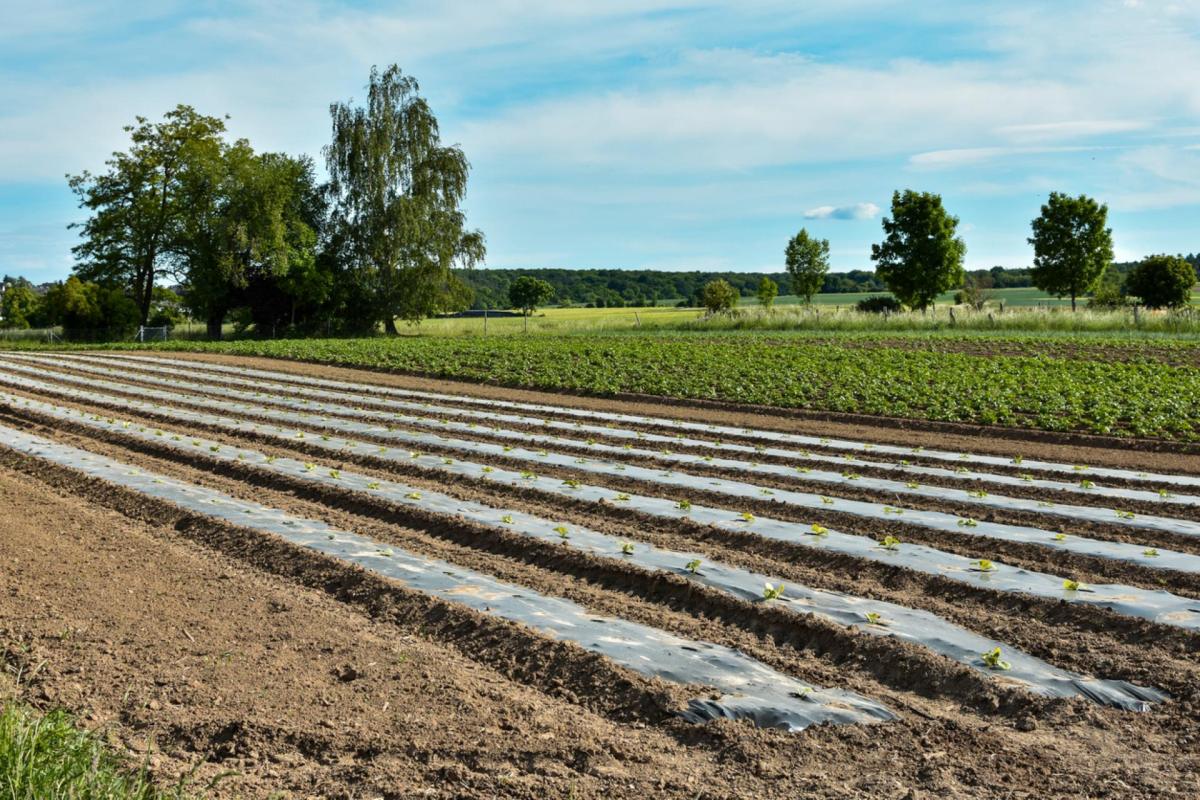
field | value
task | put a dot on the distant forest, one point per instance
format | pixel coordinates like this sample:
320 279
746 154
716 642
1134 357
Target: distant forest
616 288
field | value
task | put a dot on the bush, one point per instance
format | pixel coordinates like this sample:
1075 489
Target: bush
718 295
879 305
1107 298
1162 281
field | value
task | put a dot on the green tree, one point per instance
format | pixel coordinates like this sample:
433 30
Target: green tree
767 291
1162 281
138 205
397 192
20 305
527 293
807 261
921 256
718 295
1071 244
86 310
246 227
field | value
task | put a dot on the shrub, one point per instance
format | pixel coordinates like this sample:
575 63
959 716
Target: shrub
1162 281
718 295
880 304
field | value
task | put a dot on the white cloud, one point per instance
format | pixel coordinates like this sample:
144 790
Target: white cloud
856 211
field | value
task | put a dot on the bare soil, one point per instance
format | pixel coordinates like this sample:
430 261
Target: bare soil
217 650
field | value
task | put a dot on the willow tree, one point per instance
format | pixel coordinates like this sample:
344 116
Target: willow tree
396 194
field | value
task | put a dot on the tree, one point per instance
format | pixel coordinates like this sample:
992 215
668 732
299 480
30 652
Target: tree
807 261
19 305
920 256
1162 281
718 295
138 207
977 290
767 291
527 293
246 227
1071 244
89 311
396 192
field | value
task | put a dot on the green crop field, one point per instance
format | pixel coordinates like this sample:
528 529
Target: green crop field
1103 388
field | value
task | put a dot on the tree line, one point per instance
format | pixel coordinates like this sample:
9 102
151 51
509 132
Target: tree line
254 233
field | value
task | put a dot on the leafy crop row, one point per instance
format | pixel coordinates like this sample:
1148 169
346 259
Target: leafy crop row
1138 398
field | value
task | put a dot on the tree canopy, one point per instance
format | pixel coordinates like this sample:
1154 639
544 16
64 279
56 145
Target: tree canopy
396 198
766 293
1162 281
527 293
921 256
807 261
718 296
1072 245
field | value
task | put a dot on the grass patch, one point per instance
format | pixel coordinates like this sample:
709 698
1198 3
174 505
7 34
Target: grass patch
45 757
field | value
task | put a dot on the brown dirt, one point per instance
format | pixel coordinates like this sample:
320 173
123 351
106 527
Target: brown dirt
219 645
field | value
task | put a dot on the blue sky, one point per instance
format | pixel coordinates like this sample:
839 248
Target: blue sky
660 134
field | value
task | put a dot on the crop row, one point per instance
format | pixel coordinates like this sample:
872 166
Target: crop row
1156 605
1119 398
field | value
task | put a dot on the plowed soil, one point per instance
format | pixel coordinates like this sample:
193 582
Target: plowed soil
214 656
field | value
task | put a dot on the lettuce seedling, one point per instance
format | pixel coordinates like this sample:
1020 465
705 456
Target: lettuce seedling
984 565
993 660
692 565
773 592
562 531
819 530
627 548
967 522
507 519
889 543
874 618
747 516
1073 585
684 505
413 495
1150 553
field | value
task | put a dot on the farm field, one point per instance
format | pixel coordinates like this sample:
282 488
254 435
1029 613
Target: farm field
1049 384
313 579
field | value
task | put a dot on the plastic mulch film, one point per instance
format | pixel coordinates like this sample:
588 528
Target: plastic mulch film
750 689
682 483
1158 606
429 414
721 430
871 616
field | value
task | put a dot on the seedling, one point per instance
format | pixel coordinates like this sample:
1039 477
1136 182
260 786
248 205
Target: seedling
977 493
773 592
487 470
765 491
622 497
529 476
627 548
1080 467
819 530
1125 514
571 483
1150 553
692 565
333 473
1072 585
827 500
874 618
993 660
1060 537
803 470
1086 484
890 543
373 485
413 495
1017 459
309 466
1163 493
747 516
891 510
214 447
562 531
983 565
507 519
850 476
967 522
684 505
447 460
913 485
270 459
1025 476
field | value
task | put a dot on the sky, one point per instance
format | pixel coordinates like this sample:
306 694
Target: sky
660 134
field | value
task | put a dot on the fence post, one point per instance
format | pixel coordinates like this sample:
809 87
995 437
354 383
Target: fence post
637 319
485 320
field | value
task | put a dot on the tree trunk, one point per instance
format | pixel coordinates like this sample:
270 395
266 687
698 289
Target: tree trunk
389 326
1072 302
215 321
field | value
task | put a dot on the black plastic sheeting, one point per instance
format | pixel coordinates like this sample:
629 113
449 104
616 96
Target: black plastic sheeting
920 627
1156 558
429 414
750 689
1158 606
725 431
